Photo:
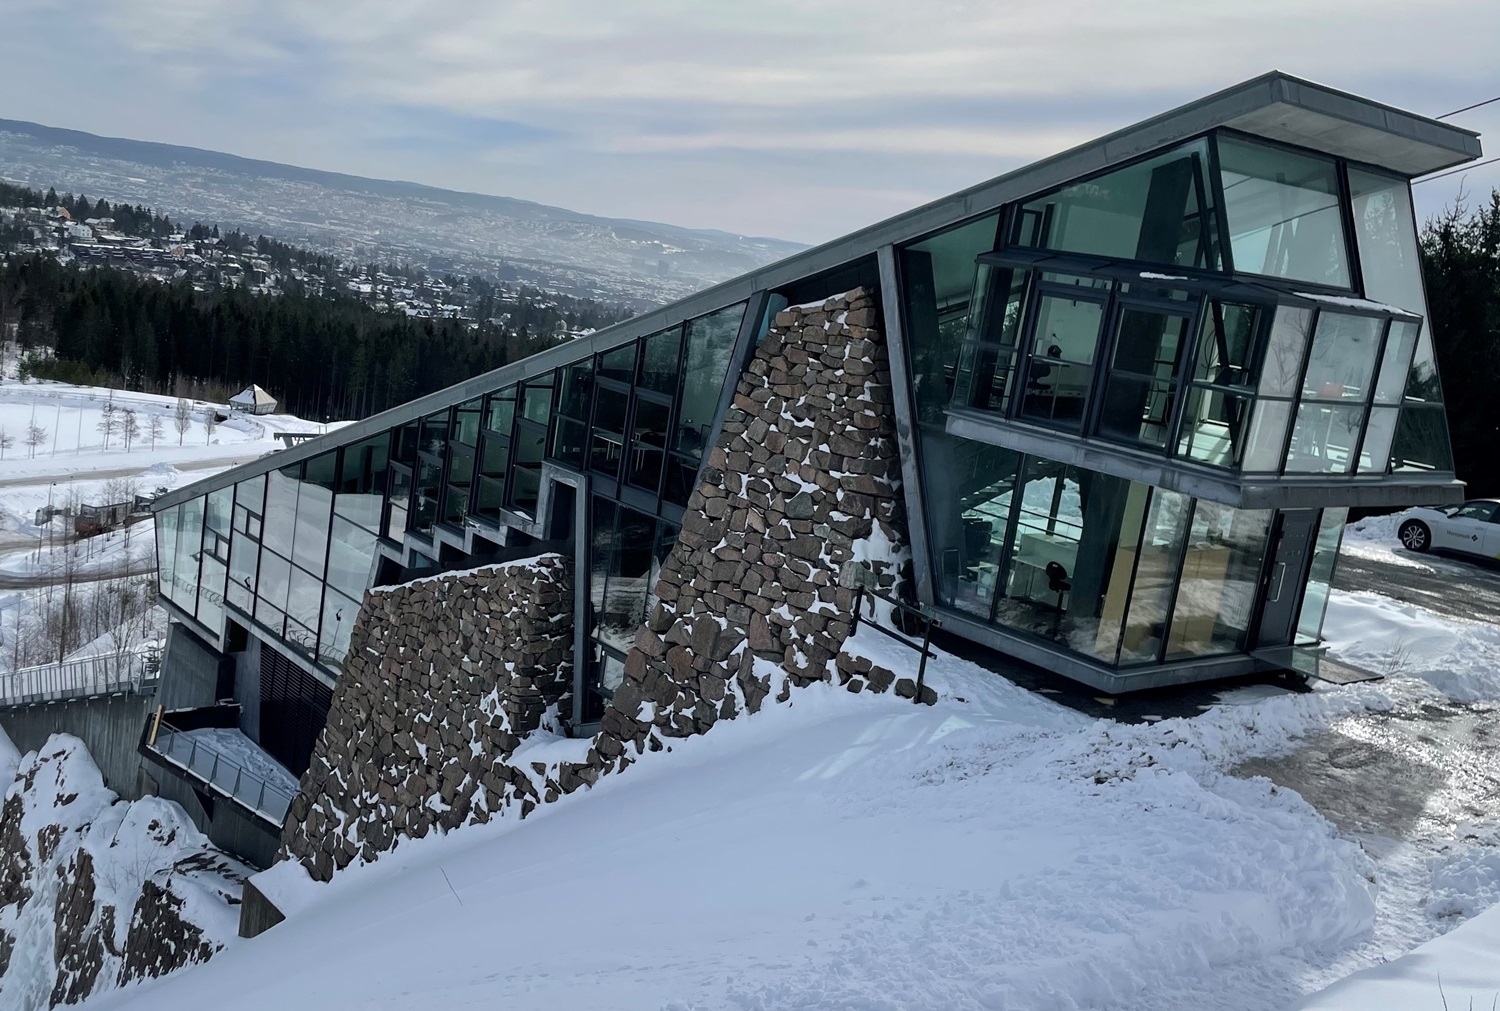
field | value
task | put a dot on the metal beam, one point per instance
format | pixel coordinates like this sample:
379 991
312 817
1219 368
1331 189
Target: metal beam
1292 491
906 440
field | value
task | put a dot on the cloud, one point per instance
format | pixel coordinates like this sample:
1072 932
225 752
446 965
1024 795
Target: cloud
803 118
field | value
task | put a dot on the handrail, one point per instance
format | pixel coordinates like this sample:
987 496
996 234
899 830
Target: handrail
129 672
930 621
223 774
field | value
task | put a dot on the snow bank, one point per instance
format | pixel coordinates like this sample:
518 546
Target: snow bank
1459 970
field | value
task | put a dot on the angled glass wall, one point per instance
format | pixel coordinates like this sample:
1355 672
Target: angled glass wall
1240 358
294 550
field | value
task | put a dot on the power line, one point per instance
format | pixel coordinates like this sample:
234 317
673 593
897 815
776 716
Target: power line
1466 108
1454 172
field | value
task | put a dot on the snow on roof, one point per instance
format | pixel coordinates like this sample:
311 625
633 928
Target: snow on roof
254 395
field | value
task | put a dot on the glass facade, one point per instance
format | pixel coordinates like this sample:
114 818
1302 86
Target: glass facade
1255 354
295 549
1116 570
1240 311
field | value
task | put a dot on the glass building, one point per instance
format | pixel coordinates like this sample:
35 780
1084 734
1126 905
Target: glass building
1138 387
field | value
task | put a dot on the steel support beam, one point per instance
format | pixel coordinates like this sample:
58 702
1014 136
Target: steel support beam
906 439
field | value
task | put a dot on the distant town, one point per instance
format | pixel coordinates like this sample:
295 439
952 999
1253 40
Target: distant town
207 259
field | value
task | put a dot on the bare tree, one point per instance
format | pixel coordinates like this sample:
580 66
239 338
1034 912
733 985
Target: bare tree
155 426
130 427
35 436
182 418
7 441
109 421
123 489
210 422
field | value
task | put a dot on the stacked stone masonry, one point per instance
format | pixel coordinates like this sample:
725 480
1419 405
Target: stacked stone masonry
798 505
445 675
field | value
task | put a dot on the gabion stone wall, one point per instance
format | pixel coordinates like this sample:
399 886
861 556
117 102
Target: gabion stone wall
444 677
798 505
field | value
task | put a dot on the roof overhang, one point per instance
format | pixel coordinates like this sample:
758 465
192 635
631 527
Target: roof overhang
1310 115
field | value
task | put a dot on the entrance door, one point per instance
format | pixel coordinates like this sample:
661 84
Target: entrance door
1281 593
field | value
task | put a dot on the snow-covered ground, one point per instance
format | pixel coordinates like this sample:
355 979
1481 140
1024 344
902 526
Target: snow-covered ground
72 466
994 851
1459 970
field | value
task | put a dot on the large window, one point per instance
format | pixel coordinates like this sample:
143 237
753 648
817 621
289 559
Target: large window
710 344
1064 344
1140 392
1283 213
1113 569
939 280
1335 389
987 362
1216 426
1391 266
1220 576
627 549
968 509
1159 210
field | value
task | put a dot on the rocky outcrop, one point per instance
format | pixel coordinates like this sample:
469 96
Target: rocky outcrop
96 892
798 505
445 675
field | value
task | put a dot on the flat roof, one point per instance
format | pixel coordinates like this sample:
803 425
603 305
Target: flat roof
1275 105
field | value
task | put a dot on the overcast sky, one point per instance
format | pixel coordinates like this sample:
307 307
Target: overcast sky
801 119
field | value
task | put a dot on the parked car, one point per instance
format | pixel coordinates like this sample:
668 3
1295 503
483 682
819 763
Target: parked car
1472 528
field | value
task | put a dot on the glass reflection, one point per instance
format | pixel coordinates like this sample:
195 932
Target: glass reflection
1158 210
1282 209
1320 576
1220 577
1162 539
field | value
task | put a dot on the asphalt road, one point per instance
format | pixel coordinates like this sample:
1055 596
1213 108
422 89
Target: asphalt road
1444 584
218 463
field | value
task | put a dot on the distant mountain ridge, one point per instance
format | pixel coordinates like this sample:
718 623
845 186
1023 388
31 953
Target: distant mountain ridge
641 262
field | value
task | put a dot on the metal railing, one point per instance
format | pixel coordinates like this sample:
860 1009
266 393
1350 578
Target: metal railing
135 671
222 774
928 621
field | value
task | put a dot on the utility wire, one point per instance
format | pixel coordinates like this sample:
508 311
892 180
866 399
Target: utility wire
1454 172
1466 108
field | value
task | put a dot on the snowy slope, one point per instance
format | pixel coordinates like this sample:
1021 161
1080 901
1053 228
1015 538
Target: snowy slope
993 851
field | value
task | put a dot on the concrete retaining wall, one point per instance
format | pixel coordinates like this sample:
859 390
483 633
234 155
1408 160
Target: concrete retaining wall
110 726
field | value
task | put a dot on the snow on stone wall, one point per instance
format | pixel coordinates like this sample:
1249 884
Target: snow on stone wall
798 505
445 675
96 892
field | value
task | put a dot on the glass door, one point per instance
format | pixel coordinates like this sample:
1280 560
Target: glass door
1281 593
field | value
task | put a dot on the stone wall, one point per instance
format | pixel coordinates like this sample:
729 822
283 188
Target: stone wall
444 677
798 505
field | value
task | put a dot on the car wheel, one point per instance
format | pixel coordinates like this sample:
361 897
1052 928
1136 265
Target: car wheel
1415 536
